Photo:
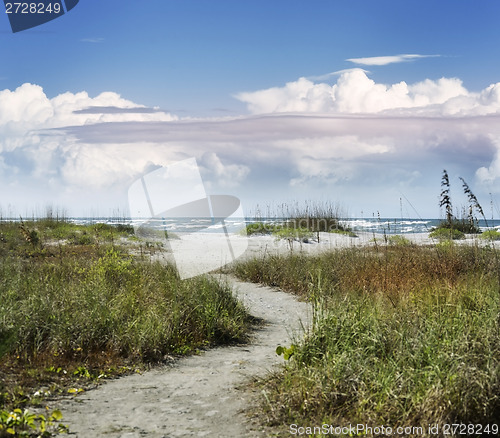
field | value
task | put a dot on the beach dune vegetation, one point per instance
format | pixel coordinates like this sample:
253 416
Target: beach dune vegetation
97 305
301 221
401 336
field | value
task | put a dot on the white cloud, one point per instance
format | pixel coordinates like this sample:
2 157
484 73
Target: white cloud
385 60
28 108
490 175
328 76
356 93
298 96
92 40
219 174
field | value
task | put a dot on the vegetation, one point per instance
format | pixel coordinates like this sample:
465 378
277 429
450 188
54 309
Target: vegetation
401 335
262 228
345 232
79 306
447 234
300 222
398 240
490 235
468 223
291 234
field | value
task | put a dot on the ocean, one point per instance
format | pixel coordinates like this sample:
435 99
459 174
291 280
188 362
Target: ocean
372 225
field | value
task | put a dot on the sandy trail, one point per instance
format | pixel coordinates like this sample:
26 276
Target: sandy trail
201 395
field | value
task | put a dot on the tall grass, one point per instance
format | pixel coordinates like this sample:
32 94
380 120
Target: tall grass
112 303
405 336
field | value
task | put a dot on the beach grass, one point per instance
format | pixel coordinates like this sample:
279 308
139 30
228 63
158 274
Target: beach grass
80 309
402 336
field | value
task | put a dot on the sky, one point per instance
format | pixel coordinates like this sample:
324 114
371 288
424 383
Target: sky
361 103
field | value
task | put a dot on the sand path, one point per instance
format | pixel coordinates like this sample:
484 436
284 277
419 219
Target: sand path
201 396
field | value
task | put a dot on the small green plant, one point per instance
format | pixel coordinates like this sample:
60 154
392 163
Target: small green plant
81 238
82 371
31 236
287 352
25 423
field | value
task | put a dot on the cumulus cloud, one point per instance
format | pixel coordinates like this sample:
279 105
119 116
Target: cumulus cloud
28 107
385 60
355 92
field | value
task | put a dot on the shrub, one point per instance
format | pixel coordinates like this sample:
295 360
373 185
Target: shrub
464 225
446 234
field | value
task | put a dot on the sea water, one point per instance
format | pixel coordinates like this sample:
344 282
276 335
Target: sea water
216 225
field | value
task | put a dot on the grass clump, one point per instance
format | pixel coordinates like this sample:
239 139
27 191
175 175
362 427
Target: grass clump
404 336
316 217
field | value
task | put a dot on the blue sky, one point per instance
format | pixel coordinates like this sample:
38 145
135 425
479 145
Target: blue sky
362 102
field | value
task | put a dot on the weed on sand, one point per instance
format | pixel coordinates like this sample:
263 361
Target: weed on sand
401 336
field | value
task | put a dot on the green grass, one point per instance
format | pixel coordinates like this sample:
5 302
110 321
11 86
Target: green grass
262 228
90 308
111 303
490 235
402 336
398 240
